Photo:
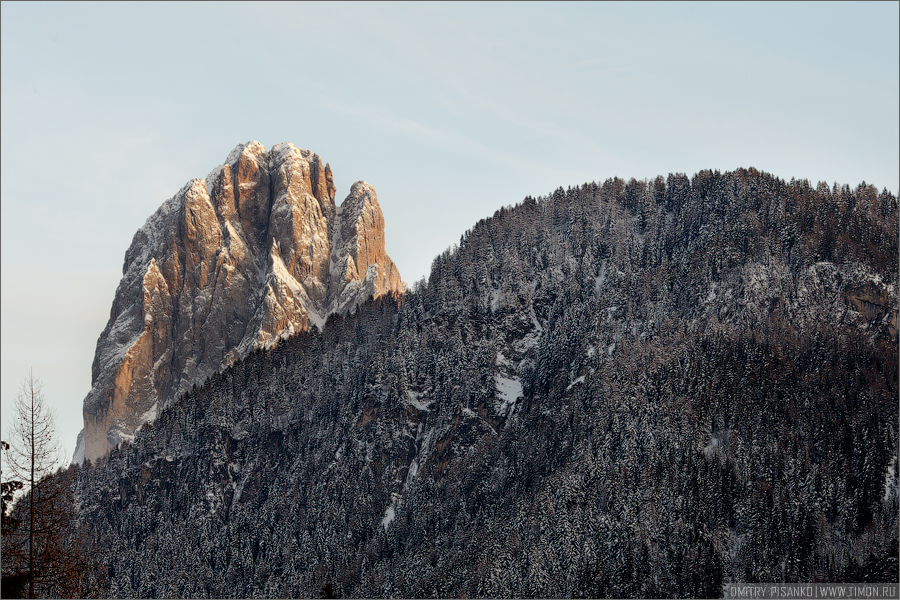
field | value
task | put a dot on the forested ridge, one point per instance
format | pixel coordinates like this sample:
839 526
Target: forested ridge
626 389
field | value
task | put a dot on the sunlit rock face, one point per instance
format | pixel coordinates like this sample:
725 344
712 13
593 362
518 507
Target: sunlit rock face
256 252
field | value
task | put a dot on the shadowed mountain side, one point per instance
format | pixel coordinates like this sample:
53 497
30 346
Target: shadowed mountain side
626 389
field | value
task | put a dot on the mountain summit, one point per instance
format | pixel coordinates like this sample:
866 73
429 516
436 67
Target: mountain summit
254 253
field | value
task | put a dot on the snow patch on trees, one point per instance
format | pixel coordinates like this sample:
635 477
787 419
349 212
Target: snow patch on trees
509 390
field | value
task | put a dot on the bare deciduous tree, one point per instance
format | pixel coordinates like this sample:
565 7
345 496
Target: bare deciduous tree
41 546
32 455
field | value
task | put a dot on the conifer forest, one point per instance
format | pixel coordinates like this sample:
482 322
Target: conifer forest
622 389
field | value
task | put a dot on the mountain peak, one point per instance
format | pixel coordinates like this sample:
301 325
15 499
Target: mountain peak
255 252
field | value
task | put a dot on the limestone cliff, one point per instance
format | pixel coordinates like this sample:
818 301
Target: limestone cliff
256 252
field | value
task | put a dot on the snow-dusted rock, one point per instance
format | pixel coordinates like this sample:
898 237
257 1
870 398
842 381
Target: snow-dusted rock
255 252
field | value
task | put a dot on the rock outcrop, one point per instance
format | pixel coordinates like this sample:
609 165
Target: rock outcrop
256 252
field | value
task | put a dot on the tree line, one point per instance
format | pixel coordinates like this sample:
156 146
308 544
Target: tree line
624 389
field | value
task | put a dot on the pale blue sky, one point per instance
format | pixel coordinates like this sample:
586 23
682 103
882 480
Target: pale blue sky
449 110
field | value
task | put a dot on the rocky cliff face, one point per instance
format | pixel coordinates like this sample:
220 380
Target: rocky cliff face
254 253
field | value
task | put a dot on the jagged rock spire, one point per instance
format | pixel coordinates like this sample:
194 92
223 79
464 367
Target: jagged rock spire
255 252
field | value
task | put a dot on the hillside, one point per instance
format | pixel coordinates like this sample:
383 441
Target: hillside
627 389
